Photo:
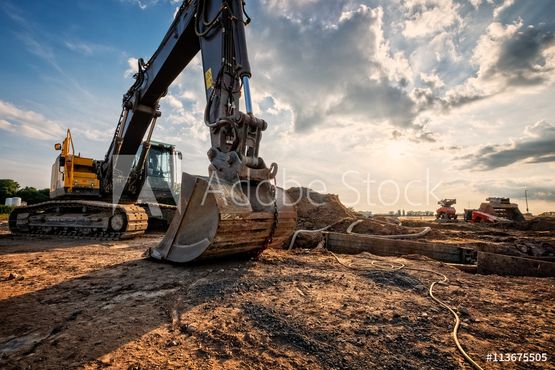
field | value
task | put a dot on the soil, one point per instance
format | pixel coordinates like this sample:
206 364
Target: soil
316 211
534 237
374 227
94 305
531 238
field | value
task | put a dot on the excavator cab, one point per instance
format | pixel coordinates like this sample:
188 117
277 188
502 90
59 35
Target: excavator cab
163 174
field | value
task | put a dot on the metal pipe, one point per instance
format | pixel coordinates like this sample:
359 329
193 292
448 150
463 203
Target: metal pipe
247 91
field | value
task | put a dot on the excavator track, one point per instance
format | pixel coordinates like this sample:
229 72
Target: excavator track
80 219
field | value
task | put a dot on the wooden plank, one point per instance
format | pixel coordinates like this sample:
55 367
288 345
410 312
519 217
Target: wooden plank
399 244
499 264
352 244
471 269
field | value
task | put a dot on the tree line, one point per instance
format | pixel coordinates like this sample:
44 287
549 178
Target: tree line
10 188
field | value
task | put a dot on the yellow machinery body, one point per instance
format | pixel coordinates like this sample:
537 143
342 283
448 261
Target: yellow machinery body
71 173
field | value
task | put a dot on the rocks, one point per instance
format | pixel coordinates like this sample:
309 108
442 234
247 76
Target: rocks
105 360
463 311
12 276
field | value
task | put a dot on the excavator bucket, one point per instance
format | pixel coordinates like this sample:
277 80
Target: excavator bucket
216 218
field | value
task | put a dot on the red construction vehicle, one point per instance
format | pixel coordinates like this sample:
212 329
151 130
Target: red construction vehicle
495 210
446 212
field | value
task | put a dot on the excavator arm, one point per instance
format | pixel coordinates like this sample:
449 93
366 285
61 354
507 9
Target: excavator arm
237 209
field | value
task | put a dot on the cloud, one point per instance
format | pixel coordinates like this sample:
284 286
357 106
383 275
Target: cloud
87 48
507 57
28 123
537 146
144 4
426 136
132 64
476 3
429 17
36 126
537 189
449 148
7 126
39 43
506 4
415 135
338 70
432 80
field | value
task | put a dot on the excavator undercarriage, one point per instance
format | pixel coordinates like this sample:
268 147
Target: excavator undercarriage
80 218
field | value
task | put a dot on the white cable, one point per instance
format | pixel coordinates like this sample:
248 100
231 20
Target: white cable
296 233
349 231
424 231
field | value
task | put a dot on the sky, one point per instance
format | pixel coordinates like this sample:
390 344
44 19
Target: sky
390 104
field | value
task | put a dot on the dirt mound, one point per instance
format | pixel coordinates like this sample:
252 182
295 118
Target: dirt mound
372 226
537 224
316 210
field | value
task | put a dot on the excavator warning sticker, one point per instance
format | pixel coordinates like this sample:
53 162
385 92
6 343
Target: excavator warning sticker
208 79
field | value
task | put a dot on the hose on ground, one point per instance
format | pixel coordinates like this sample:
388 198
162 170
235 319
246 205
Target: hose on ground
297 232
424 231
380 265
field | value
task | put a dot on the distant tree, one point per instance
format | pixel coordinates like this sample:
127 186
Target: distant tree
31 195
8 188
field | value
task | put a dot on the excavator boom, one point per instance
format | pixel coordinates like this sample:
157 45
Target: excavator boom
237 208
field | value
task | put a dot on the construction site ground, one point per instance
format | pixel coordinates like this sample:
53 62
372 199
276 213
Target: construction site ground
100 304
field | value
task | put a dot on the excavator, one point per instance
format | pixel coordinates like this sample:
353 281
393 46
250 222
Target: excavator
236 209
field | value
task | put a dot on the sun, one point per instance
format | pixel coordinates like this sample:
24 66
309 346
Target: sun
395 149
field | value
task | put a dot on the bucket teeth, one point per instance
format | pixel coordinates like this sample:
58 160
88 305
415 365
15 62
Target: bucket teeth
216 218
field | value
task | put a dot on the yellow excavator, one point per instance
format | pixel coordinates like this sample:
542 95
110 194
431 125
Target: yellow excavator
236 209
